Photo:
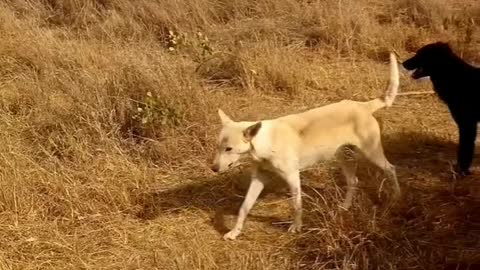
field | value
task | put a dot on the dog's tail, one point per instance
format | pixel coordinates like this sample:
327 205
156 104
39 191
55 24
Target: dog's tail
392 89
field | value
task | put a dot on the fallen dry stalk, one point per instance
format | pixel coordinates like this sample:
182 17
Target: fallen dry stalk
413 93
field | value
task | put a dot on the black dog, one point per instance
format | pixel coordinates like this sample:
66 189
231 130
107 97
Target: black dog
458 85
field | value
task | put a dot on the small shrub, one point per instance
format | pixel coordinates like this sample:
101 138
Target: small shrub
153 115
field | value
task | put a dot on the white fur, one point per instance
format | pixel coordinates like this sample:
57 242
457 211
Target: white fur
288 144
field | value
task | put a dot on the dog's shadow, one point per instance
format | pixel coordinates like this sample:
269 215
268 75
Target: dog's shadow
421 152
222 195
437 219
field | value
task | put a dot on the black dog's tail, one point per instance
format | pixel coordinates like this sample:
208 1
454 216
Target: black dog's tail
392 89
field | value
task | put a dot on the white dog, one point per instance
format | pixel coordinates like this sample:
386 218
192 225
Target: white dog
288 144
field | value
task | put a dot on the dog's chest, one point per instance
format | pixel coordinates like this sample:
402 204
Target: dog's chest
266 165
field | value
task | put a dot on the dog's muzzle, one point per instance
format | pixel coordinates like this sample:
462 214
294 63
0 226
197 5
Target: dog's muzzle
215 167
417 73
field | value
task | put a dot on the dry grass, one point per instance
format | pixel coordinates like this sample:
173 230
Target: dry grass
108 124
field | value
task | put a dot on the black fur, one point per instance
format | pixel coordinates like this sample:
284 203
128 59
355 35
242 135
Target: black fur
457 83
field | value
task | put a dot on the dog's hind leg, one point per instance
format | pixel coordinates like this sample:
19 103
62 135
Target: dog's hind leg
254 190
375 154
348 162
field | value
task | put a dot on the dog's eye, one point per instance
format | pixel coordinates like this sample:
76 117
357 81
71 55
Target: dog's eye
228 149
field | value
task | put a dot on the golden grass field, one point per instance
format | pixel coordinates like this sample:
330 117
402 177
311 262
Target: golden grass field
108 125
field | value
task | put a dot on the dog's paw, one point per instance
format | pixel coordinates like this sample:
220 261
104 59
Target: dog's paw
231 235
295 228
458 172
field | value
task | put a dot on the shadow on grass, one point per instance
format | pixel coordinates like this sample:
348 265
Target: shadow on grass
222 195
435 225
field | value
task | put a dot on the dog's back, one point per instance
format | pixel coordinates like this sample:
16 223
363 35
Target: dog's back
329 115
318 133
458 85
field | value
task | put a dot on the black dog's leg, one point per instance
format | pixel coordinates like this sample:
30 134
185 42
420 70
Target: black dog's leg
466 147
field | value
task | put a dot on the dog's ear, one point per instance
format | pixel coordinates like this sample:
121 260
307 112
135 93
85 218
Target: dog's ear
252 131
223 117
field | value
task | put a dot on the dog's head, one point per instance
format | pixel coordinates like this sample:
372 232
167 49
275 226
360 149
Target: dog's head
427 59
234 141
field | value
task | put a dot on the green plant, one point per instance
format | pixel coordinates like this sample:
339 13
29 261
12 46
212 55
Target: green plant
153 110
204 44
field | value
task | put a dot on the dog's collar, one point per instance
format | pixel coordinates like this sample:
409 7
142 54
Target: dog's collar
253 153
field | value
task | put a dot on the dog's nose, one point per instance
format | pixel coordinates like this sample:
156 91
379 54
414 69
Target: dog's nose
215 167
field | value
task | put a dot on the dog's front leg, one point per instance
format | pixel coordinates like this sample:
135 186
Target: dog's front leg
466 147
293 180
256 187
